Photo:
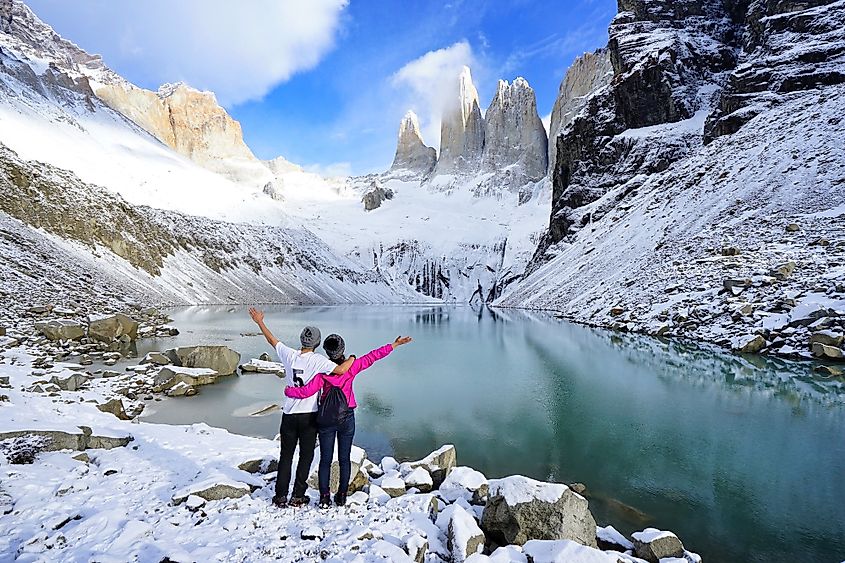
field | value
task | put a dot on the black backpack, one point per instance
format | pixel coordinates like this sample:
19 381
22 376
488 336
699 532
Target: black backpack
334 408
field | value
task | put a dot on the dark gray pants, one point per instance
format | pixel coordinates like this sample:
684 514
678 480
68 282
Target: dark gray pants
296 429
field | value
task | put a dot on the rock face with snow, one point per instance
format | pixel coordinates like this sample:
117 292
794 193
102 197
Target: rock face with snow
654 545
192 123
658 157
521 509
588 74
412 155
461 131
183 118
514 136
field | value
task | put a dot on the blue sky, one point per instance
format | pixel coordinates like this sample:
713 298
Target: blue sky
316 82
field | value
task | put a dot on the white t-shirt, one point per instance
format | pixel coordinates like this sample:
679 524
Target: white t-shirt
300 369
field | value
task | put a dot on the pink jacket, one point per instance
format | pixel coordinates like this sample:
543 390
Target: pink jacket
344 381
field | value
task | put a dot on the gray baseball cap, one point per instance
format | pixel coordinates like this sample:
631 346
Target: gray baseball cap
310 337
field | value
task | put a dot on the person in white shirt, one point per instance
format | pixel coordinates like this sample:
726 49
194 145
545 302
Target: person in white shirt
299 416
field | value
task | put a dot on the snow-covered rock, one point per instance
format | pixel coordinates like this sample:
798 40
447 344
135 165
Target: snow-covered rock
212 489
465 483
438 463
609 537
420 479
653 545
520 509
565 551
220 359
463 536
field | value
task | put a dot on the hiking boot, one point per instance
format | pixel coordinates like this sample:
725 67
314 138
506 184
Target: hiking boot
299 501
325 501
280 502
340 499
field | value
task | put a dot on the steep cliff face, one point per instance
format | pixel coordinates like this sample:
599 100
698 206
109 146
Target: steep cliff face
731 240
412 155
787 47
461 131
514 134
669 59
590 73
708 65
190 122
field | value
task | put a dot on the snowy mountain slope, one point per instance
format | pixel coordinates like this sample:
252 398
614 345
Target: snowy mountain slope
53 223
48 116
187 120
702 249
443 245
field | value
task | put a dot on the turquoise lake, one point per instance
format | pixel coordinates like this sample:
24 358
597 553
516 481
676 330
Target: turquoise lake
741 456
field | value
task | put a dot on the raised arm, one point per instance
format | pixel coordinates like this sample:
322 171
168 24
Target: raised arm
258 317
306 390
369 359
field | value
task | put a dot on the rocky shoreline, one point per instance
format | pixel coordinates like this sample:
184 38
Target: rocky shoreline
60 360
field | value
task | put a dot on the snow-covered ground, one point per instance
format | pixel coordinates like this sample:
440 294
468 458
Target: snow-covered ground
151 499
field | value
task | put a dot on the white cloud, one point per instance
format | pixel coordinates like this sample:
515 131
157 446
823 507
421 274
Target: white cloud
547 121
240 51
333 170
430 83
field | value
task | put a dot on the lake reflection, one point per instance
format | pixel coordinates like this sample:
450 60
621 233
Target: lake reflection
741 456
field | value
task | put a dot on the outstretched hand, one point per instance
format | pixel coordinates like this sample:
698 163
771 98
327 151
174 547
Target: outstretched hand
257 316
400 340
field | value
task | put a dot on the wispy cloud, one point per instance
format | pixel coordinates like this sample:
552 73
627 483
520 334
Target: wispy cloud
238 52
335 169
429 84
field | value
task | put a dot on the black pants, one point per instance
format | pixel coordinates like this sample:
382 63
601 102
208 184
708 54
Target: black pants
301 429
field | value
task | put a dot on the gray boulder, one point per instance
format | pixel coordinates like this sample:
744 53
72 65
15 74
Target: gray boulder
438 463
830 352
61 329
463 536
109 329
751 344
156 358
827 337
57 440
210 490
783 271
375 196
520 509
223 360
115 407
71 383
263 465
357 480
176 381
653 545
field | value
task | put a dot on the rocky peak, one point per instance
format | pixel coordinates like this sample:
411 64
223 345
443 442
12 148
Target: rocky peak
588 74
514 135
462 130
411 152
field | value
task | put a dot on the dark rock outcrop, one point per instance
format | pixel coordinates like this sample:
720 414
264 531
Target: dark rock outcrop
673 63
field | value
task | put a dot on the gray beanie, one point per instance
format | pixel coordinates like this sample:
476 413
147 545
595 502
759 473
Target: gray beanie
334 346
310 337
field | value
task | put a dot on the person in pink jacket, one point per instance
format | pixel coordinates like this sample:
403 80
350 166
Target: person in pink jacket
344 428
